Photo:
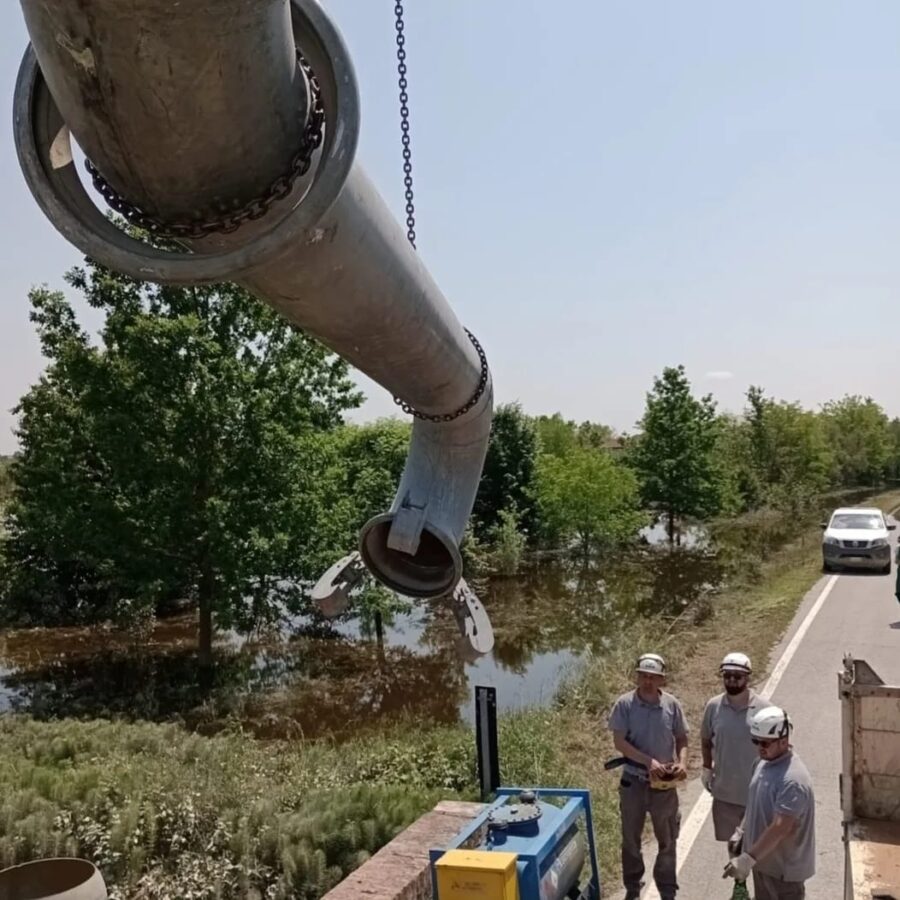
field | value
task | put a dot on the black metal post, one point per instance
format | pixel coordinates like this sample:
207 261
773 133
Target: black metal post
486 740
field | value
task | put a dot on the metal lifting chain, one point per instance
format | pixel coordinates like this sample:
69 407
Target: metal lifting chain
469 404
250 211
404 124
411 225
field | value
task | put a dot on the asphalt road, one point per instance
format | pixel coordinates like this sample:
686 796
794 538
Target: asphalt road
855 613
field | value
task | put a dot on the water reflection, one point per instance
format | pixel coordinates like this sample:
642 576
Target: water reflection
316 679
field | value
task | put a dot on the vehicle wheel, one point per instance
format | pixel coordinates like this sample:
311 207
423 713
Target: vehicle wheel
827 566
886 570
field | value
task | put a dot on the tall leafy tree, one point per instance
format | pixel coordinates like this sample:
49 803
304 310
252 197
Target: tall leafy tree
791 453
559 436
674 455
357 478
893 466
740 486
508 479
176 457
859 433
5 480
587 496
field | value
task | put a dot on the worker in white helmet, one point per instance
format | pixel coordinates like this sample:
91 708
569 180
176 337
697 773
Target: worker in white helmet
777 839
728 754
650 731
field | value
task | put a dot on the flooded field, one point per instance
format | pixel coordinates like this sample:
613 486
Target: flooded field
312 679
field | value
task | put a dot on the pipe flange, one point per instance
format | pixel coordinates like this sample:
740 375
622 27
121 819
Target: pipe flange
433 570
44 148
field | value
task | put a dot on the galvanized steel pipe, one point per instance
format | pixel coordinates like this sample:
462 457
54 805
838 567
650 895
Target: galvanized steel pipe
192 110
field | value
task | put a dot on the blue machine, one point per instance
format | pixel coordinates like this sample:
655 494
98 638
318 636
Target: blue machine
550 847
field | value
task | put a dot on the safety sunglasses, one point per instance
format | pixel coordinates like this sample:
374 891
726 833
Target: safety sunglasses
733 676
762 742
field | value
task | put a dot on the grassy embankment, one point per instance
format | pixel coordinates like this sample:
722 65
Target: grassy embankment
168 814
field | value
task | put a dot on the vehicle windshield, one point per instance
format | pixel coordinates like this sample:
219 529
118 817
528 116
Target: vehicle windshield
856 520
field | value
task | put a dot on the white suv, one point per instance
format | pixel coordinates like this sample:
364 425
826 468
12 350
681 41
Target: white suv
857 537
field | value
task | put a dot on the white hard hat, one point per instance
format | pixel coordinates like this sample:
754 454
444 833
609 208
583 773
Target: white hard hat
651 663
771 722
736 662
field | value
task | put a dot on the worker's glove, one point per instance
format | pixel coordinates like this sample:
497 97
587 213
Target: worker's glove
739 867
706 778
735 842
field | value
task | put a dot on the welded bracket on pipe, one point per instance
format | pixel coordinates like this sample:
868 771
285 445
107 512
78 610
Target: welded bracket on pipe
406 529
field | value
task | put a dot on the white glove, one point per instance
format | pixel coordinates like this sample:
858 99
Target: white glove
735 842
706 778
739 867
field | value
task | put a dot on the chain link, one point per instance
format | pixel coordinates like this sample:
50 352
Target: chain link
252 210
404 124
469 404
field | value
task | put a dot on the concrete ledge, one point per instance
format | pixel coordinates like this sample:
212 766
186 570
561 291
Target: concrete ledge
400 869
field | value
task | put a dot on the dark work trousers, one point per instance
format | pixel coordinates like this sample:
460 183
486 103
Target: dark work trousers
768 887
636 800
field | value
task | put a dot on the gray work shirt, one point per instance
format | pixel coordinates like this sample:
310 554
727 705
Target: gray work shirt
651 727
734 756
783 786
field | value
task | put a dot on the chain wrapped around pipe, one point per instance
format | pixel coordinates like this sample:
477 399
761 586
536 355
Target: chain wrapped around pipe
251 211
469 404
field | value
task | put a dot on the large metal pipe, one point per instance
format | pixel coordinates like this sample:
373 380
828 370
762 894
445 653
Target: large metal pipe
57 878
194 112
185 108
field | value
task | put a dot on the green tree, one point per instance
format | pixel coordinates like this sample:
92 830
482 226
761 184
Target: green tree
790 450
587 496
356 477
893 467
5 480
558 436
859 433
508 480
508 544
176 458
674 455
740 487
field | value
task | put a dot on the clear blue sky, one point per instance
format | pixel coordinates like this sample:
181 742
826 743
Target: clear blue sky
604 189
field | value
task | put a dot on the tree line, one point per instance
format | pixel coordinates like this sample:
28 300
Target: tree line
196 452
582 486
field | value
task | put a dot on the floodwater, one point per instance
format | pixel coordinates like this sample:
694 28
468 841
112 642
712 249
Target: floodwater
313 679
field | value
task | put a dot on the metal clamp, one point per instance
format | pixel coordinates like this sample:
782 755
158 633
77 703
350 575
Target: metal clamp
332 591
472 619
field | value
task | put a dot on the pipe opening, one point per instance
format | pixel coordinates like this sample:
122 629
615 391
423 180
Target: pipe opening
432 571
51 878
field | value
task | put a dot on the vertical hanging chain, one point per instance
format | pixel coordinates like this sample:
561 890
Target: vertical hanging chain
404 124
411 229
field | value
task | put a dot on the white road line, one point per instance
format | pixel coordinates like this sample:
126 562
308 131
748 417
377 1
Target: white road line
789 651
692 825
